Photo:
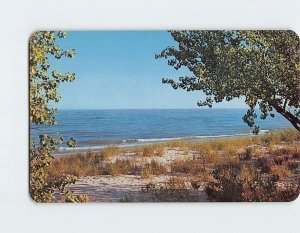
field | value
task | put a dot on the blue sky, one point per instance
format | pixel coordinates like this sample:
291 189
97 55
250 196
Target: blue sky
118 70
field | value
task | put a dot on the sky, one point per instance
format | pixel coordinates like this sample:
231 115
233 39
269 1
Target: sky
118 70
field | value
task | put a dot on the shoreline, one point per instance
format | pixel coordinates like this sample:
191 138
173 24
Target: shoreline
131 143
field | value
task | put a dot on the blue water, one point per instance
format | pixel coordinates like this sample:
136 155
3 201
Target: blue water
97 128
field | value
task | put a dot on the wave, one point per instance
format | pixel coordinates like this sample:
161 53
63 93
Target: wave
194 137
144 141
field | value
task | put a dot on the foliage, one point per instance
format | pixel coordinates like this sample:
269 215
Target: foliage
71 143
43 85
243 183
43 81
42 183
262 66
41 189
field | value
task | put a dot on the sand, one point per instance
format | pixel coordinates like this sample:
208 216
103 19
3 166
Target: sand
107 188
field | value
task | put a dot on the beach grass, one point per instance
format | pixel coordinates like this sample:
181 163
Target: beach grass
273 157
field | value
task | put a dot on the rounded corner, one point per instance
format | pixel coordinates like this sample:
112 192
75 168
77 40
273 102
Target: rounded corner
31 198
31 35
294 198
295 34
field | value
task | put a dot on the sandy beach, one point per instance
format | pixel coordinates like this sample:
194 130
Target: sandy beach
107 188
114 189
176 172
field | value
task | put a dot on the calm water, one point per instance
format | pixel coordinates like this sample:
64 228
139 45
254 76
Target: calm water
97 128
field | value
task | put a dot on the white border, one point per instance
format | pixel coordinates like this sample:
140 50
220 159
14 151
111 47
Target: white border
19 19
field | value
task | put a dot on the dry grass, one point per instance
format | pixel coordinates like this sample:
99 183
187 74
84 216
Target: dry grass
152 168
152 150
109 152
245 183
93 164
216 152
273 154
78 164
186 167
146 150
174 189
121 167
175 144
286 135
281 171
159 151
248 153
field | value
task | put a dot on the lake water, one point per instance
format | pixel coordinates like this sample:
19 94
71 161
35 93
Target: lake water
99 128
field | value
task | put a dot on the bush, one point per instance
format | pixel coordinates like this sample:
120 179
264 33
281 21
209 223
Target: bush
296 155
293 165
152 168
120 167
288 194
281 172
187 167
242 183
264 164
42 181
247 155
282 152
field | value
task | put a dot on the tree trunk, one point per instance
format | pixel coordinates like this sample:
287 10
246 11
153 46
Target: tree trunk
295 121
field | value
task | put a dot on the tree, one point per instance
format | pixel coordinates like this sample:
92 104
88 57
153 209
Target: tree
262 66
43 85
